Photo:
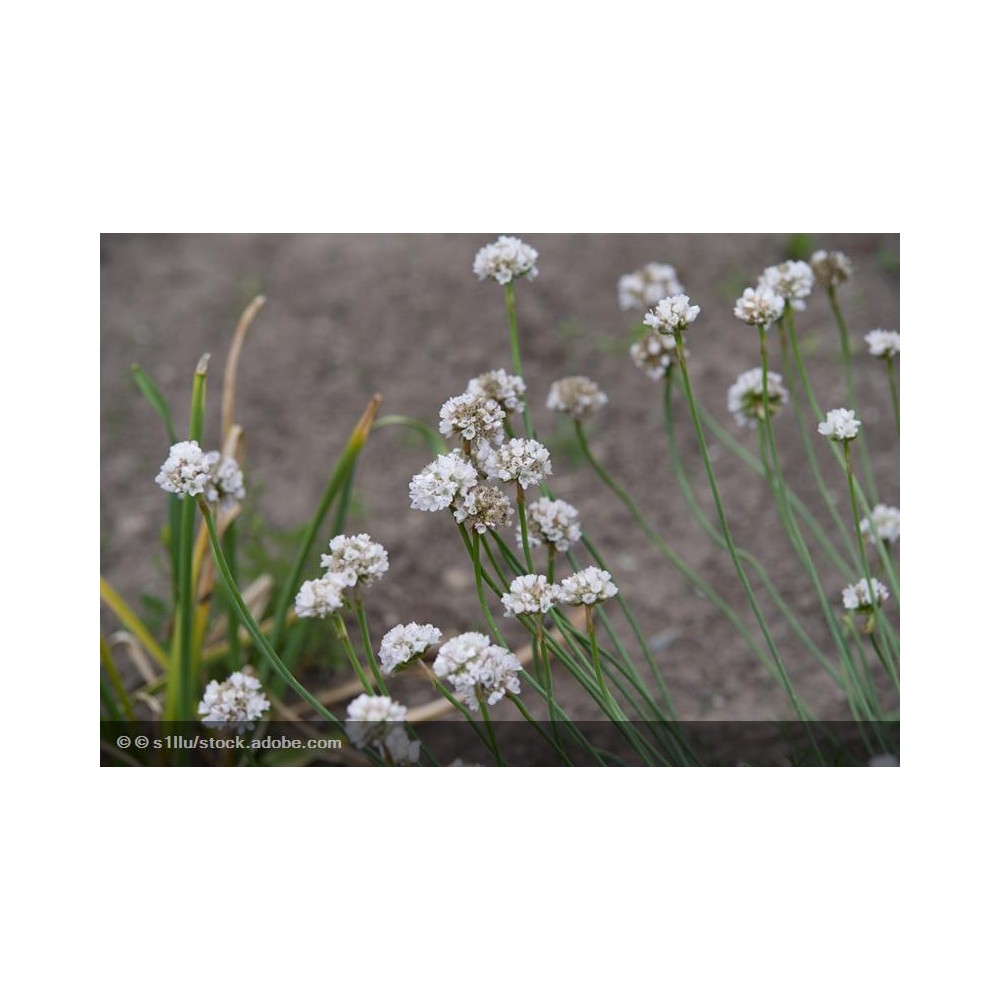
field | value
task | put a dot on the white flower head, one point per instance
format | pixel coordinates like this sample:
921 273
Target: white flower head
840 425
226 482
321 598
647 286
653 353
377 721
759 306
792 280
484 507
403 644
672 314
440 483
472 665
375 708
886 521
187 470
589 586
506 260
238 700
747 400
529 595
507 390
858 596
552 522
883 343
472 416
357 559
830 267
519 459
576 395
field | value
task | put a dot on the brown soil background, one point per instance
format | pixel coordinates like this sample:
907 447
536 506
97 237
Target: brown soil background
403 315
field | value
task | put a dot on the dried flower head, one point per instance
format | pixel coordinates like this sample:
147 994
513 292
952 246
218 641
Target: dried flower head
472 416
883 343
506 260
792 280
357 559
653 353
529 595
576 395
759 306
519 459
830 267
589 586
552 522
442 482
645 287
238 700
886 520
321 598
858 596
840 425
747 400
471 664
484 508
403 644
672 314
507 390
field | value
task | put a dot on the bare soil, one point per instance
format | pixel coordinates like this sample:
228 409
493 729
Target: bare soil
351 315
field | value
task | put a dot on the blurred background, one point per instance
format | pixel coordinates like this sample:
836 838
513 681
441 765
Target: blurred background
402 315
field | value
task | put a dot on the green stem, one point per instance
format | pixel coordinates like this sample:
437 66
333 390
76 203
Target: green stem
515 348
489 728
546 675
595 654
523 518
233 654
369 651
552 739
893 389
115 678
340 629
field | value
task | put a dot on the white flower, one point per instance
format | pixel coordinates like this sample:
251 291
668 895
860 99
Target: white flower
226 483
238 699
375 708
321 598
507 390
472 665
831 268
759 306
472 416
589 586
529 595
553 522
652 354
647 286
577 395
883 343
521 459
484 507
840 425
746 396
402 644
187 470
506 260
792 280
672 314
437 485
858 596
357 559
376 721
886 523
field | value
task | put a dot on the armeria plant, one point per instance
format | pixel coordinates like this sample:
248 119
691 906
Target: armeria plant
531 557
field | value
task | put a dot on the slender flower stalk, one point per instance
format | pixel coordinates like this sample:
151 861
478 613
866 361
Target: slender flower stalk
890 373
489 728
340 630
366 640
522 516
515 349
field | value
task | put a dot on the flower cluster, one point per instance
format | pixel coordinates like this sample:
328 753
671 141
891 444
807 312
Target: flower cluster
529 595
830 267
589 586
886 521
377 721
189 471
438 484
552 522
321 598
507 390
840 425
645 287
792 281
519 459
747 400
474 667
472 416
403 644
484 508
672 315
653 353
883 343
759 306
506 260
578 396
356 559
858 596
238 700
